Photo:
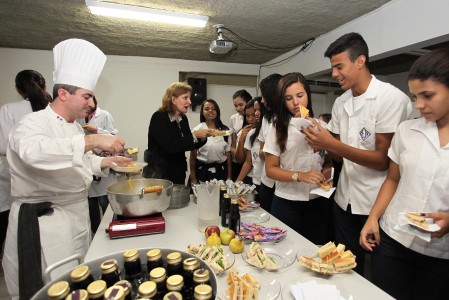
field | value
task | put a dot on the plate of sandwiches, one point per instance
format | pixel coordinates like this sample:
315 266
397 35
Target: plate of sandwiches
215 256
417 220
328 259
270 257
245 283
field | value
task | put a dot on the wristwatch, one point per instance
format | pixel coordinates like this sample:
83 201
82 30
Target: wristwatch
295 177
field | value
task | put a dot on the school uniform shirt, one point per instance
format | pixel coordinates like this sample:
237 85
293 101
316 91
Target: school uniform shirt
267 181
236 122
297 157
357 120
424 183
214 151
10 115
256 171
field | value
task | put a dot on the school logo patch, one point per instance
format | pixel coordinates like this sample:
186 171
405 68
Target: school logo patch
364 134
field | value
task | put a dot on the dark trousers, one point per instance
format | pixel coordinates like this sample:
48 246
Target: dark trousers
305 217
4 215
236 168
204 173
347 232
94 210
266 195
406 274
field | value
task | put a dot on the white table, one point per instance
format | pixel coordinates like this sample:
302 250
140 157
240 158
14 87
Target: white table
181 230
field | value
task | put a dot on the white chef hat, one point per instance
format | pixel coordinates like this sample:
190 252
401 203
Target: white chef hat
78 63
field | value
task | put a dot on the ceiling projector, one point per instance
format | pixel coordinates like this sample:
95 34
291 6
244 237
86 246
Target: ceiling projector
220 45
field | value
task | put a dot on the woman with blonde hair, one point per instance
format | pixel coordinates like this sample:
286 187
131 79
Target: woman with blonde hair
169 136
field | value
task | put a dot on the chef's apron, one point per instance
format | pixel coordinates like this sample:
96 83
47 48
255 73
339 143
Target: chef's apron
63 233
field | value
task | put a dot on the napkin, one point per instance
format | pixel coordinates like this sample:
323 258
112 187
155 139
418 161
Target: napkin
405 226
312 290
321 192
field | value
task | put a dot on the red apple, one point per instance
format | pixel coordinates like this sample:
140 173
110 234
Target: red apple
211 229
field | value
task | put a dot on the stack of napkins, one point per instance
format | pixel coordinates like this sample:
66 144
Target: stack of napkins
312 290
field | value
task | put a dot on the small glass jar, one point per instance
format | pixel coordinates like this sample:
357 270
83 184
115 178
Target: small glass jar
110 272
201 276
127 287
97 289
190 265
159 276
115 292
133 267
203 292
78 295
173 296
81 278
175 283
58 290
154 259
147 290
174 264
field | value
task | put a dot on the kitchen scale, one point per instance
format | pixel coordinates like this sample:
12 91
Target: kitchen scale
121 227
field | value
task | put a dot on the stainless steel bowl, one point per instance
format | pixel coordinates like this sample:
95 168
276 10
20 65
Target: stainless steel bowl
126 197
180 197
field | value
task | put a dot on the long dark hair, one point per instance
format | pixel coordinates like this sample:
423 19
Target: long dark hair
218 123
432 66
30 85
283 116
259 125
268 87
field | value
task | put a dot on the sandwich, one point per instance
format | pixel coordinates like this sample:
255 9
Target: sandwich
132 150
345 264
325 185
304 111
341 248
326 249
306 261
346 254
417 220
330 257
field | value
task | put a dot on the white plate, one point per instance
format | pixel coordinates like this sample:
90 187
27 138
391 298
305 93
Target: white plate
253 207
300 122
270 288
136 167
282 254
313 254
255 217
287 295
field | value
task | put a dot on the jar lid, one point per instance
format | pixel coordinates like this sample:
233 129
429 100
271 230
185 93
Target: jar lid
226 195
234 201
147 289
80 273
201 275
126 285
96 289
174 257
173 296
154 254
203 291
158 274
223 187
78 295
58 290
191 263
131 255
109 266
175 283
115 292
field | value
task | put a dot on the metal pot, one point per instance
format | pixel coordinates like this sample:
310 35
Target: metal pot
180 197
137 197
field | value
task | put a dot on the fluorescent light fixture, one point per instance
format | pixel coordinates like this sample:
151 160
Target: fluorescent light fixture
146 14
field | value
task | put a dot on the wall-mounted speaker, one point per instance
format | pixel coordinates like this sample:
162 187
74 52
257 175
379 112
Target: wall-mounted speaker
199 91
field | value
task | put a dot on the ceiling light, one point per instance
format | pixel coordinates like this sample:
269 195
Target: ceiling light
146 14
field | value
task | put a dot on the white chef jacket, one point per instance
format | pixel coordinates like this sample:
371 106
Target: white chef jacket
297 157
103 120
48 163
424 183
257 163
10 115
379 110
267 181
214 151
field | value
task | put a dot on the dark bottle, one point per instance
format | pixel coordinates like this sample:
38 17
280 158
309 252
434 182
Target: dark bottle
223 189
190 265
115 292
58 290
225 208
234 215
201 276
80 294
133 268
175 283
110 272
147 290
203 292
81 278
159 276
127 288
154 259
97 289
173 296
174 264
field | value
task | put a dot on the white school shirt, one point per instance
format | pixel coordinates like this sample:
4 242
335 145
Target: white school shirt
424 183
257 163
267 181
379 110
236 122
298 157
214 151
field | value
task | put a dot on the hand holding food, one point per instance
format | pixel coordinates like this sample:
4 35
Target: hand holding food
89 128
442 220
106 142
202 133
303 112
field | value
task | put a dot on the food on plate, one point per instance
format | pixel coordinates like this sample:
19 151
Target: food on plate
325 185
247 205
236 245
417 219
132 150
257 257
242 287
304 111
214 256
331 259
213 240
211 229
226 235
259 233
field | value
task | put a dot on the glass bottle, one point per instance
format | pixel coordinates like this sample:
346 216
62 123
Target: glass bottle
201 276
58 290
97 289
174 264
148 290
203 292
225 208
127 288
234 215
159 276
80 294
81 278
110 272
190 265
173 296
154 259
133 268
175 283
223 189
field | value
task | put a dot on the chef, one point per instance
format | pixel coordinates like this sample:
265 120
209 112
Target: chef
51 167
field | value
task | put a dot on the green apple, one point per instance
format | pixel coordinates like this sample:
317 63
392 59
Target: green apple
236 245
226 236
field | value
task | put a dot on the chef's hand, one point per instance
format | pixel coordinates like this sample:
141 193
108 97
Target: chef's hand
115 161
442 219
89 128
110 143
317 136
202 133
